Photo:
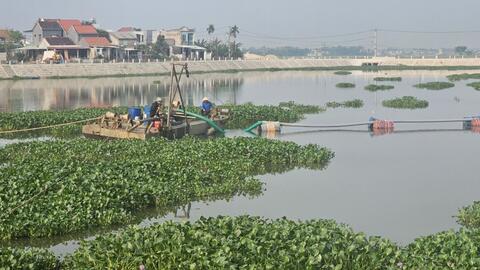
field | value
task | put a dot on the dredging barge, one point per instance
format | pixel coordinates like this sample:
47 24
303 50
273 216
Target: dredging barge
175 122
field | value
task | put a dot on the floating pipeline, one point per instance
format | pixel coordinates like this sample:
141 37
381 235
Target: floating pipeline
373 124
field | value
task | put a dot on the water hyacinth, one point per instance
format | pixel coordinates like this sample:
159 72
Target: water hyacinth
29 258
463 76
237 243
379 87
388 79
342 72
345 85
58 187
469 216
435 85
355 103
405 102
241 116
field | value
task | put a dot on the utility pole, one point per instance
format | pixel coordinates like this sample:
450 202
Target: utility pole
375 42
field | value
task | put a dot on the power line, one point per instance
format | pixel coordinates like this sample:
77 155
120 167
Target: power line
429 32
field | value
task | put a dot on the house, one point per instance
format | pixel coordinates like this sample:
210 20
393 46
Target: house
67 23
64 46
127 43
100 47
182 43
45 28
77 32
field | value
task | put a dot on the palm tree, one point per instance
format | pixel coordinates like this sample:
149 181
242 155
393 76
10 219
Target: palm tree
232 33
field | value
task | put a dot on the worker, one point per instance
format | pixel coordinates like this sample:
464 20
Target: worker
207 106
156 108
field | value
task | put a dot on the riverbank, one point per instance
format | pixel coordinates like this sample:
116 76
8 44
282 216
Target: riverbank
99 70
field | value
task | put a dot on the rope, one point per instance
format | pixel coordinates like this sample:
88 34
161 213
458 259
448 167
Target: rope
47 127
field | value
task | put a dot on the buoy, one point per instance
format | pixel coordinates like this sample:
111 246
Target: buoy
270 126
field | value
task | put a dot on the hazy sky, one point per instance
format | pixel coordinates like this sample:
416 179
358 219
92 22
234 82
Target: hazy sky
273 22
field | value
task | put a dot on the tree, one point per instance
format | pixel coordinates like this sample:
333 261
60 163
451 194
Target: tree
233 33
460 49
161 49
13 41
210 29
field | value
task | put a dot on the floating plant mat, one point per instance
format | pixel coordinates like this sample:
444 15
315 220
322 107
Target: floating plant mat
58 187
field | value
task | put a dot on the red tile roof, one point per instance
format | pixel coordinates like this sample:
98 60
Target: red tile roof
85 29
96 41
66 24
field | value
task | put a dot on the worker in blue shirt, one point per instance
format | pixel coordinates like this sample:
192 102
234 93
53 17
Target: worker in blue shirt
207 106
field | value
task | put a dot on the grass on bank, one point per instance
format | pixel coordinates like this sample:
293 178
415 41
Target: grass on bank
405 102
435 85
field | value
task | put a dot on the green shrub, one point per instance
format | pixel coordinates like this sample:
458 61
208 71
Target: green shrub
237 243
380 87
435 85
345 85
405 102
389 79
475 85
58 187
29 258
355 103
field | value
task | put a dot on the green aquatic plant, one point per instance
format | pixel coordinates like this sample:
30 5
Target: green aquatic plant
379 87
237 243
475 85
35 119
244 115
345 85
444 250
405 102
355 103
387 79
464 76
58 187
29 258
469 216
342 72
435 85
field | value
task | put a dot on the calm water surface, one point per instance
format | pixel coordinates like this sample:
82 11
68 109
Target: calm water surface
400 186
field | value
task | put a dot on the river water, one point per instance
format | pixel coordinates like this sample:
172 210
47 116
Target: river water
400 186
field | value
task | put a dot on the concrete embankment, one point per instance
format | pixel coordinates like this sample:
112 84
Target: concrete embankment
72 70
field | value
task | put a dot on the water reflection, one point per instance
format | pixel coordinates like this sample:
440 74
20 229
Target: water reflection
106 92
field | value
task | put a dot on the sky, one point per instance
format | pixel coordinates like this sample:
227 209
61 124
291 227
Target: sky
303 23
